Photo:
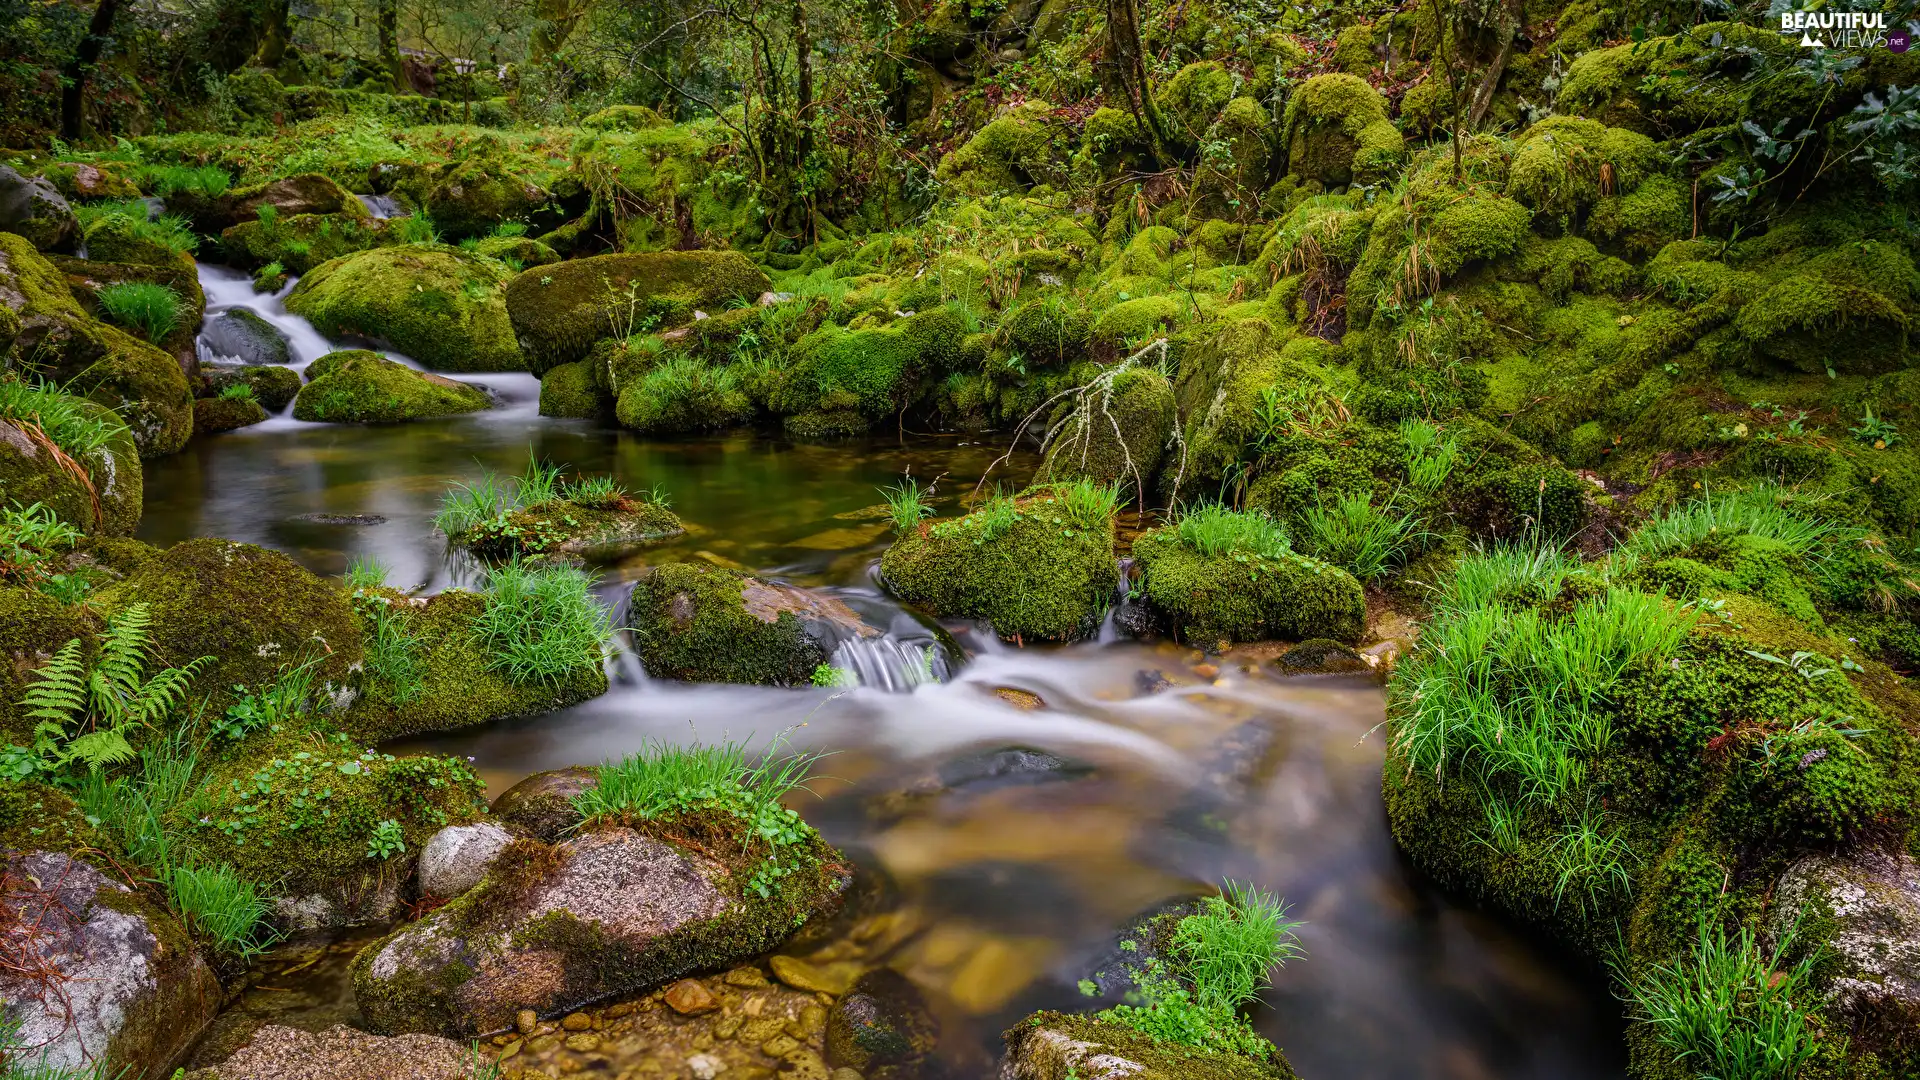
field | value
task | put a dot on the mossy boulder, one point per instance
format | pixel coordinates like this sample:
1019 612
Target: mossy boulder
274 387
559 311
291 196
471 196
255 611
1027 146
613 910
1336 131
1563 165
1191 100
438 305
702 623
1238 597
850 378
139 381
683 395
33 626
107 503
33 209
355 386
564 527
296 809
1032 570
516 251
1849 308
460 684
624 118
115 238
570 390
1115 434
1062 1046
213 415
303 241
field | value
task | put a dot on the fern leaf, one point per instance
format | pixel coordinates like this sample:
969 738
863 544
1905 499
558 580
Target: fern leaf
100 748
123 649
162 692
58 690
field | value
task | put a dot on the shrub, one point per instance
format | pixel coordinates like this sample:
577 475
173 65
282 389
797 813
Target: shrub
154 310
540 622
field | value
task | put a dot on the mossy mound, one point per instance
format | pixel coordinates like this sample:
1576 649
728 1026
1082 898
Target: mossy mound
108 503
1336 131
570 390
214 415
274 387
1057 1046
33 626
438 305
1027 146
683 395
459 686
115 239
1119 435
471 196
565 527
292 196
559 311
1031 571
873 373
255 611
137 380
702 623
355 386
303 241
1240 596
517 252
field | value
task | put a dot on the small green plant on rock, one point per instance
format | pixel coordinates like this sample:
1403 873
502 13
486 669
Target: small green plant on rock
228 909
154 310
239 391
387 840
1366 540
286 698
85 713
1876 432
29 538
540 622
907 504
1730 1009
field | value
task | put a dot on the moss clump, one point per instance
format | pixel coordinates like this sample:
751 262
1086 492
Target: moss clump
516 251
1029 568
570 390
683 395
214 415
255 611
1048 331
1023 148
565 527
1118 434
39 817
291 196
1847 308
274 387
559 311
874 373
303 241
121 372
457 685
704 623
1243 596
438 305
1191 100
32 626
470 196
1336 131
1564 164
1057 1044
116 238
355 386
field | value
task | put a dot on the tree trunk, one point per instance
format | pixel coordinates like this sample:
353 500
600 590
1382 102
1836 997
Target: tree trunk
73 90
1510 27
387 20
279 34
803 111
1126 57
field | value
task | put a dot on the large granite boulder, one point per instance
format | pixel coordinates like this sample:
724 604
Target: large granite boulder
110 978
1868 905
458 857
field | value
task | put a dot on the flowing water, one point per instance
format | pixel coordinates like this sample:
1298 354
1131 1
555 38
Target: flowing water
1022 807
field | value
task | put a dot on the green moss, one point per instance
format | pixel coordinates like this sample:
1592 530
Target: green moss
703 623
115 238
39 817
1656 213
355 386
1025 147
563 527
624 118
1241 597
683 395
438 305
1158 1060
274 387
1563 165
1191 100
875 372
470 196
255 611
28 475
570 390
1121 437
1048 331
214 415
1138 320
516 251
1847 308
303 241
458 687
1038 575
1336 131
559 311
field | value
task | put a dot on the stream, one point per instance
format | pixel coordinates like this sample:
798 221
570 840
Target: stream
1017 842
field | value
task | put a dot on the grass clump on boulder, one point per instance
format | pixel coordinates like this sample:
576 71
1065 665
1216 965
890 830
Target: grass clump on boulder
1219 575
539 514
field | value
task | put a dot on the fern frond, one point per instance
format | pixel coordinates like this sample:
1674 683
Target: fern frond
123 648
59 688
99 749
162 692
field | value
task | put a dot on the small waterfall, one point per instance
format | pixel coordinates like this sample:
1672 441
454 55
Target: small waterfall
887 663
382 206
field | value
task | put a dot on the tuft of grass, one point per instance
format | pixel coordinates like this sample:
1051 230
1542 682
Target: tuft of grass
1767 511
1232 942
1589 856
389 654
907 504
599 492
1366 540
206 181
1517 575
154 310
540 622
1729 1009
1429 456
365 572
509 229
415 229
170 231
227 908
237 392
74 424
1214 530
465 507
538 483
1089 505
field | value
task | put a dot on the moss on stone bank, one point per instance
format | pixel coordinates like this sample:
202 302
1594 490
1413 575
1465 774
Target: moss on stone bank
708 624
360 387
1240 597
559 311
1059 1046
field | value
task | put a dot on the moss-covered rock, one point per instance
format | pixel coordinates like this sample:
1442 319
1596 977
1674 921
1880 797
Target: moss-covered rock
518 252
255 611
33 626
292 196
33 209
438 305
1060 1046
274 387
683 395
1848 308
139 381
570 390
703 623
1025 147
613 910
459 684
106 503
559 311
1238 597
114 238
238 335
214 415
471 196
565 527
1031 568
1336 131
355 386
1115 434
303 241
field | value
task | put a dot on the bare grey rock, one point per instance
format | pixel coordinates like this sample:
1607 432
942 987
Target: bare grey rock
34 208
1873 900
456 858
341 1053
120 981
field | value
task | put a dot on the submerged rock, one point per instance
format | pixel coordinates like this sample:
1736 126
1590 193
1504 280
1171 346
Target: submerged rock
611 911
705 623
34 208
1206 600
341 1053
882 1022
360 387
436 304
125 986
217 414
559 311
1321 656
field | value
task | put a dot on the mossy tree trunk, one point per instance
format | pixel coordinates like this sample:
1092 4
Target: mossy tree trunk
74 79
1127 66
279 34
387 22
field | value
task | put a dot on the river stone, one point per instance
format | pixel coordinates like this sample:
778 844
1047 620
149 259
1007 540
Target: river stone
356 386
612 911
239 336
541 806
1056 1046
341 1053
883 1020
214 415
273 387
457 857
1321 656
34 208
1873 901
704 623
130 989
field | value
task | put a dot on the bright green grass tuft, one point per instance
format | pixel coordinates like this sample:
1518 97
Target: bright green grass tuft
154 310
1728 1009
206 181
540 622
74 424
222 905
1366 540
1766 511
906 504
1214 530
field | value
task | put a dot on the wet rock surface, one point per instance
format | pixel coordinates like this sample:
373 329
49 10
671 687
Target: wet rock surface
341 1053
